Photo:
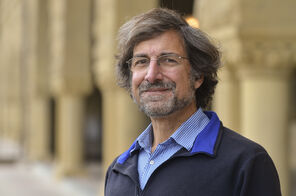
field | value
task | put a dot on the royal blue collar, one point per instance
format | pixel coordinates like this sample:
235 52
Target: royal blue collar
204 142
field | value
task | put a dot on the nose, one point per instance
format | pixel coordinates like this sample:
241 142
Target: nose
153 72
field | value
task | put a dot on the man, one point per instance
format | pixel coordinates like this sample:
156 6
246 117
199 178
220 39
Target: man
170 70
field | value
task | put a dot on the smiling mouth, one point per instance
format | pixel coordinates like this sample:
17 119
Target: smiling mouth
155 94
155 90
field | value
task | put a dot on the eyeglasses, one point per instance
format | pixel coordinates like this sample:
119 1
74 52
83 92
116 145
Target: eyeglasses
166 62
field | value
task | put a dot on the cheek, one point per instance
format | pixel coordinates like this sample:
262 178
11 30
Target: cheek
184 86
136 81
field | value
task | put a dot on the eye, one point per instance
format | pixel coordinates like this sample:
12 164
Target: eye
140 61
168 60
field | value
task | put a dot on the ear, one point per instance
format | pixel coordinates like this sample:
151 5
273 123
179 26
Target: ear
198 82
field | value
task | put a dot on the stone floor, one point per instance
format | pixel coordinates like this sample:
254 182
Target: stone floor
20 179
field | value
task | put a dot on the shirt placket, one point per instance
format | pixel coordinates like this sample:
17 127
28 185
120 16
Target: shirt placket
151 163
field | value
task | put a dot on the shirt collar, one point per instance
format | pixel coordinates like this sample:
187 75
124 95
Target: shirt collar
184 136
144 140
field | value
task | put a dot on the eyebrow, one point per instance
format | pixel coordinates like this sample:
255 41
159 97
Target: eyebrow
161 54
140 55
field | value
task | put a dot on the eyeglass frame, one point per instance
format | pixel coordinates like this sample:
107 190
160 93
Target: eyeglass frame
129 62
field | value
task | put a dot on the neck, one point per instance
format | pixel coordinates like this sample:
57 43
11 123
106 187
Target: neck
165 126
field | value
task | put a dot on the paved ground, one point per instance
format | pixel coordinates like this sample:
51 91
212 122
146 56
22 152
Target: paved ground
27 180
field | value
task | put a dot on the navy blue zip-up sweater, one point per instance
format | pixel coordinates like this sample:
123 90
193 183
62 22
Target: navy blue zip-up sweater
221 163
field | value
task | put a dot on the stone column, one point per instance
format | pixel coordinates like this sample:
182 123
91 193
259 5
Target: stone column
265 103
226 99
10 39
1 97
39 133
1 79
35 80
70 113
71 79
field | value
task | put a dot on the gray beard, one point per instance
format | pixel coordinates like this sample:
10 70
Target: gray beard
158 110
169 107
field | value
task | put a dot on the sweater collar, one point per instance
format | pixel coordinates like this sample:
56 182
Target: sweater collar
206 139
204 142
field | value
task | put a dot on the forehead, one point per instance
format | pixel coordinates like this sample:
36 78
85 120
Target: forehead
167 42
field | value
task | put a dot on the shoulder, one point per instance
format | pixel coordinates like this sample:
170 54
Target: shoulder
111 166
113 163
234 144
255 170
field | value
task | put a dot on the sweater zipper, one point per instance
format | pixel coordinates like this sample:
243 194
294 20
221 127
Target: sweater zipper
138 191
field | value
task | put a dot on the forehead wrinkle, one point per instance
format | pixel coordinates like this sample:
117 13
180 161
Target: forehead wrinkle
172 43
148 51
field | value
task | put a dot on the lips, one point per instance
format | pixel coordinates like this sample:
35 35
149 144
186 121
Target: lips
155 91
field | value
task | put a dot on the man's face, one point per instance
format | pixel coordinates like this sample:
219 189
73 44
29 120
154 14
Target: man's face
159 90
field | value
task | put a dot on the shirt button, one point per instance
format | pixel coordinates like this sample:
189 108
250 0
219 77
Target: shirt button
151 162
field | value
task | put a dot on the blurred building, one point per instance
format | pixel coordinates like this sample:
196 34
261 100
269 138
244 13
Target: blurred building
59 102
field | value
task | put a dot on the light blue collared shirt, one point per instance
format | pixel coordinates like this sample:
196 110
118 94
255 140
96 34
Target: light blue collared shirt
183 137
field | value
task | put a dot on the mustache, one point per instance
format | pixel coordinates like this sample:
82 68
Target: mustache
144 86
